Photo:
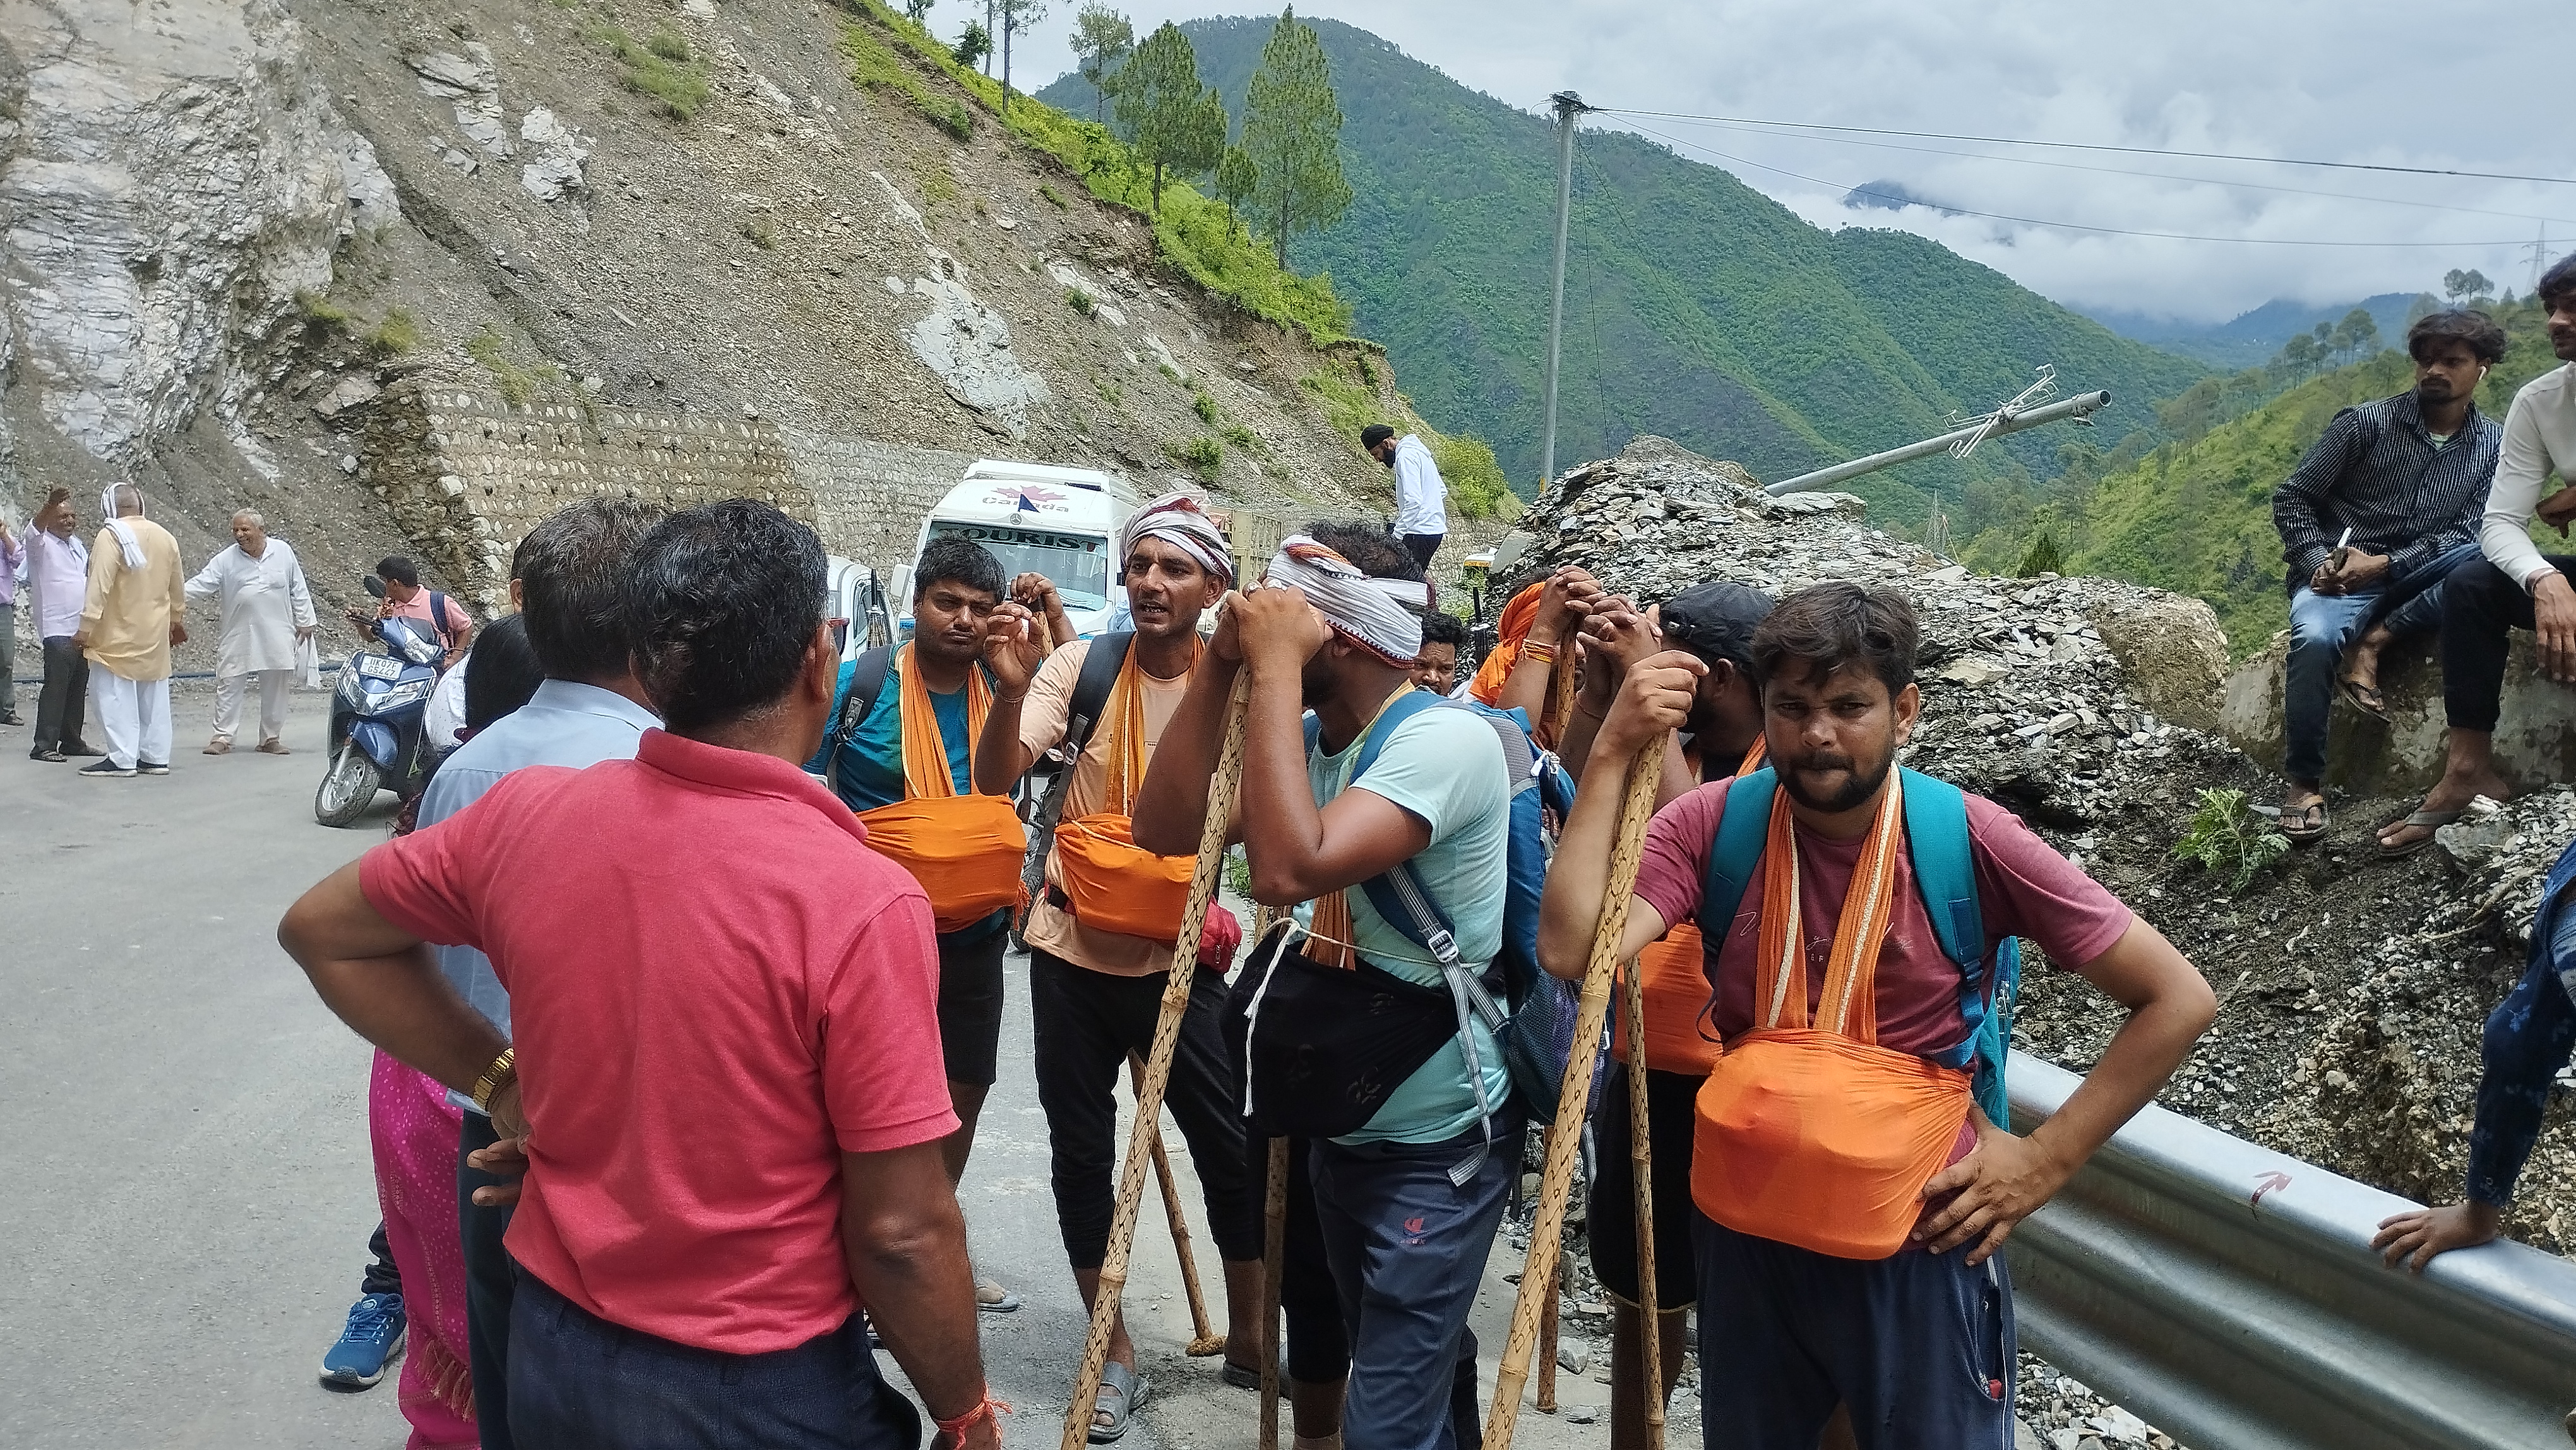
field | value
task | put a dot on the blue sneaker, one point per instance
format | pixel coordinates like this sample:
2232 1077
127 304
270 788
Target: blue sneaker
370 1340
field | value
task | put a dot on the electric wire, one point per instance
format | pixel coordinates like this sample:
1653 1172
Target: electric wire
2043 222
2088 146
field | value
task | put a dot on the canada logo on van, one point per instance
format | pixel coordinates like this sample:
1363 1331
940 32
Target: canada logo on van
1026 498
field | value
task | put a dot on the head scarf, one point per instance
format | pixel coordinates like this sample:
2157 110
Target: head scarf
1382 616
1181 520
1514 627
128 545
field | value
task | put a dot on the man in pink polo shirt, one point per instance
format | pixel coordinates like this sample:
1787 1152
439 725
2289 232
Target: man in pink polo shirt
732 1138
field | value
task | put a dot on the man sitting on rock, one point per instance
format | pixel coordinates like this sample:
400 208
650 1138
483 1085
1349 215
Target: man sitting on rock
2376 515
2514 587
1850 1193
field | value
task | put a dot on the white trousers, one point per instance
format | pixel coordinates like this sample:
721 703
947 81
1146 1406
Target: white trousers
272 702
136 716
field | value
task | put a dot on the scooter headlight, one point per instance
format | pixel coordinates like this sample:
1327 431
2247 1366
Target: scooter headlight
409 693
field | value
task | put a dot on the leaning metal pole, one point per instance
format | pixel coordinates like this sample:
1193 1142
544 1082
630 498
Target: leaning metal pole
2082 405
1568 106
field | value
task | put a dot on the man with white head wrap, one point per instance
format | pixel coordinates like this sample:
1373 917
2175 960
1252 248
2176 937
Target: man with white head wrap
134 611
1095 989
267 612
1335 629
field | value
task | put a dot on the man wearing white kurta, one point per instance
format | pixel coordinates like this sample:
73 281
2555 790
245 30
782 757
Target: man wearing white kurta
267 613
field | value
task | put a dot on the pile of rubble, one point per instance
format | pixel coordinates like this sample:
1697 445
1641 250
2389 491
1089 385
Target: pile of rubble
2063 698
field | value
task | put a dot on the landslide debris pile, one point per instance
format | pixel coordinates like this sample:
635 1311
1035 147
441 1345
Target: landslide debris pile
2352 991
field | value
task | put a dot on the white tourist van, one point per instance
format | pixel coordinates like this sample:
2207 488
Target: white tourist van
1037 519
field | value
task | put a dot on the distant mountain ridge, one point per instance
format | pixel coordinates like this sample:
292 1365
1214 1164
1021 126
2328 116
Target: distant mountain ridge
1696 308
2250 339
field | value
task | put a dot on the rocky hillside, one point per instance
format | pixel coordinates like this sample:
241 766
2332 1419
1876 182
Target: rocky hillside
231 223
2351 992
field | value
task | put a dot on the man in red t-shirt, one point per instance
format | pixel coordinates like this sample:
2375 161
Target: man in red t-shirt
732 1135
1865 1274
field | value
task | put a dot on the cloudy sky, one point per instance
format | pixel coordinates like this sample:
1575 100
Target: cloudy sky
2466 85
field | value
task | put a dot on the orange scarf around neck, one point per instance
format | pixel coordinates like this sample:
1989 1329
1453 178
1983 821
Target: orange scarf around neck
1848 1006
926 773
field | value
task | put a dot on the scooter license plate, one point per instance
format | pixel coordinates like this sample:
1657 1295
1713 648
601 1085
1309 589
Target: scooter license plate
380 667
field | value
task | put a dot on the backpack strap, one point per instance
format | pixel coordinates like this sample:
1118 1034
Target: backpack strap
1945 874
867 681
1100 667
438 620
1736 854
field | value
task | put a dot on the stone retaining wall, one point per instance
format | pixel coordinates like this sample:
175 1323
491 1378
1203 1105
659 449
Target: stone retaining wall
2535 739
870 498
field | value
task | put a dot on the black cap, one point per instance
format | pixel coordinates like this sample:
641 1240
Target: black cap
1375 434
1715 621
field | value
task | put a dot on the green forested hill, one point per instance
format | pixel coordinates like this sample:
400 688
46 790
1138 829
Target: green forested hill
1695 307
2198 519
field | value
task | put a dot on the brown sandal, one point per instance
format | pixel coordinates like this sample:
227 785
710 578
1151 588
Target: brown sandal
2306 823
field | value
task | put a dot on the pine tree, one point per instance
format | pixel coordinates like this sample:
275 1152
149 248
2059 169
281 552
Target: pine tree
1236 180
974 45
918 11
1101 39
1175 125
1292 130
2043 556
1016 15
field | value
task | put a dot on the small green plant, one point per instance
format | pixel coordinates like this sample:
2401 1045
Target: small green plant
517 384
323 317
1240 438
938 185
1238 872
2229 838
397 334
1168 371
1080 301
1053 197
956 120
1205 407
660 70
1110 394
1204 455
668 46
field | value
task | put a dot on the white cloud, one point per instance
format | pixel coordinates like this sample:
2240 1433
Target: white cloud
2464 85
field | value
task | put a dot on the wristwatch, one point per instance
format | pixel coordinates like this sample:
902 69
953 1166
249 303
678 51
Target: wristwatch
503 1072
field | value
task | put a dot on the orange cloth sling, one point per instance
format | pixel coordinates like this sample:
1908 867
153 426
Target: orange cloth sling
1810 1133
1675 970
1112 883
965 850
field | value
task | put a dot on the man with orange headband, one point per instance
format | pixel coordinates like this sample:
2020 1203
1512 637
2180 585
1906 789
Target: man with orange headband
899 752
1101 934
1864 1273
1533 640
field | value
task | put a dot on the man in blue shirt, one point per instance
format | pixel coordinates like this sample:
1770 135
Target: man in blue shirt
955 585
1405 1240
567 580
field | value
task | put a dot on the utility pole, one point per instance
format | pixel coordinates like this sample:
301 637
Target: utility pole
2539 255
1568 107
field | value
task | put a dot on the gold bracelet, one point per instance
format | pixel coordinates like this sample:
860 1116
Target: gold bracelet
503 1072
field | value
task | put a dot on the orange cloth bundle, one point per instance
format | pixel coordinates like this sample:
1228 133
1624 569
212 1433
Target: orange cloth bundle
965 850
1509 631
1112 884
1676 982
1813 1134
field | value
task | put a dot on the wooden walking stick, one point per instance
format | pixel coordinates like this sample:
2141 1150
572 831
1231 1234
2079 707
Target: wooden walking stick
1158 1068
1538 1276
1641 1165
1549 1312
1274 1262
1203 1341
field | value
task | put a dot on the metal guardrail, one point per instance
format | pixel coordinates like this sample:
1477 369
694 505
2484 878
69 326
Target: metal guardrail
2227 1295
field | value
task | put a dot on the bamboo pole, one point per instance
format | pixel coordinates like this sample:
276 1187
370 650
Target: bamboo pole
1550 1314
1538 1276
1274 1262
1560 691
1204 1341
1641 1165
1158 1069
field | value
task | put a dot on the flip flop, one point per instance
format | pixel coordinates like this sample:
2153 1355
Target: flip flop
992 1298
2433 820
2295 822
2366 698
1129 1391
1245 1377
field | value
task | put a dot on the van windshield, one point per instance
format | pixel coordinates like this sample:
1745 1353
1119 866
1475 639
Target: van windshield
1078 563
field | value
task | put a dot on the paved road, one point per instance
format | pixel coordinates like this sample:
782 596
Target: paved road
189 1191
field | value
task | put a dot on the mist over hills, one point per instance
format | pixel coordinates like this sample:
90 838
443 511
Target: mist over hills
2251 338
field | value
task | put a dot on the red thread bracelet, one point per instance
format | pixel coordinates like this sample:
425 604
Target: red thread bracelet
984 1410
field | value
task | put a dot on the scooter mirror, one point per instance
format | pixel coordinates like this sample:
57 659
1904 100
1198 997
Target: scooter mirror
374 586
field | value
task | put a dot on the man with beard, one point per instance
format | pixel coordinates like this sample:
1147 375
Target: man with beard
1409 1182
2374 518
900 747
1864 1273
2514 587
1101 939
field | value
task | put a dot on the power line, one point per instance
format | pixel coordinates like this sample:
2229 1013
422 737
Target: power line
1758 129
2087 146
2042 222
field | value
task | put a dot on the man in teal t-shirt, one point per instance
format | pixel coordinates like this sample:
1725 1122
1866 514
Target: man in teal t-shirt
1406 1246
954 586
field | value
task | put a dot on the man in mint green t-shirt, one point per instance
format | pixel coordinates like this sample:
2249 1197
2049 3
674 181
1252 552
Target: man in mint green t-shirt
1406 1245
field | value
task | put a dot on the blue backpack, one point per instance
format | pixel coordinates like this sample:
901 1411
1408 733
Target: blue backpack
1936 840
1534 1018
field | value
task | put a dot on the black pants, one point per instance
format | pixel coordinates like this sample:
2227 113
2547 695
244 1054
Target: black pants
1087 1023
2480 609
1422 547
62 706
381 1276
490 1283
